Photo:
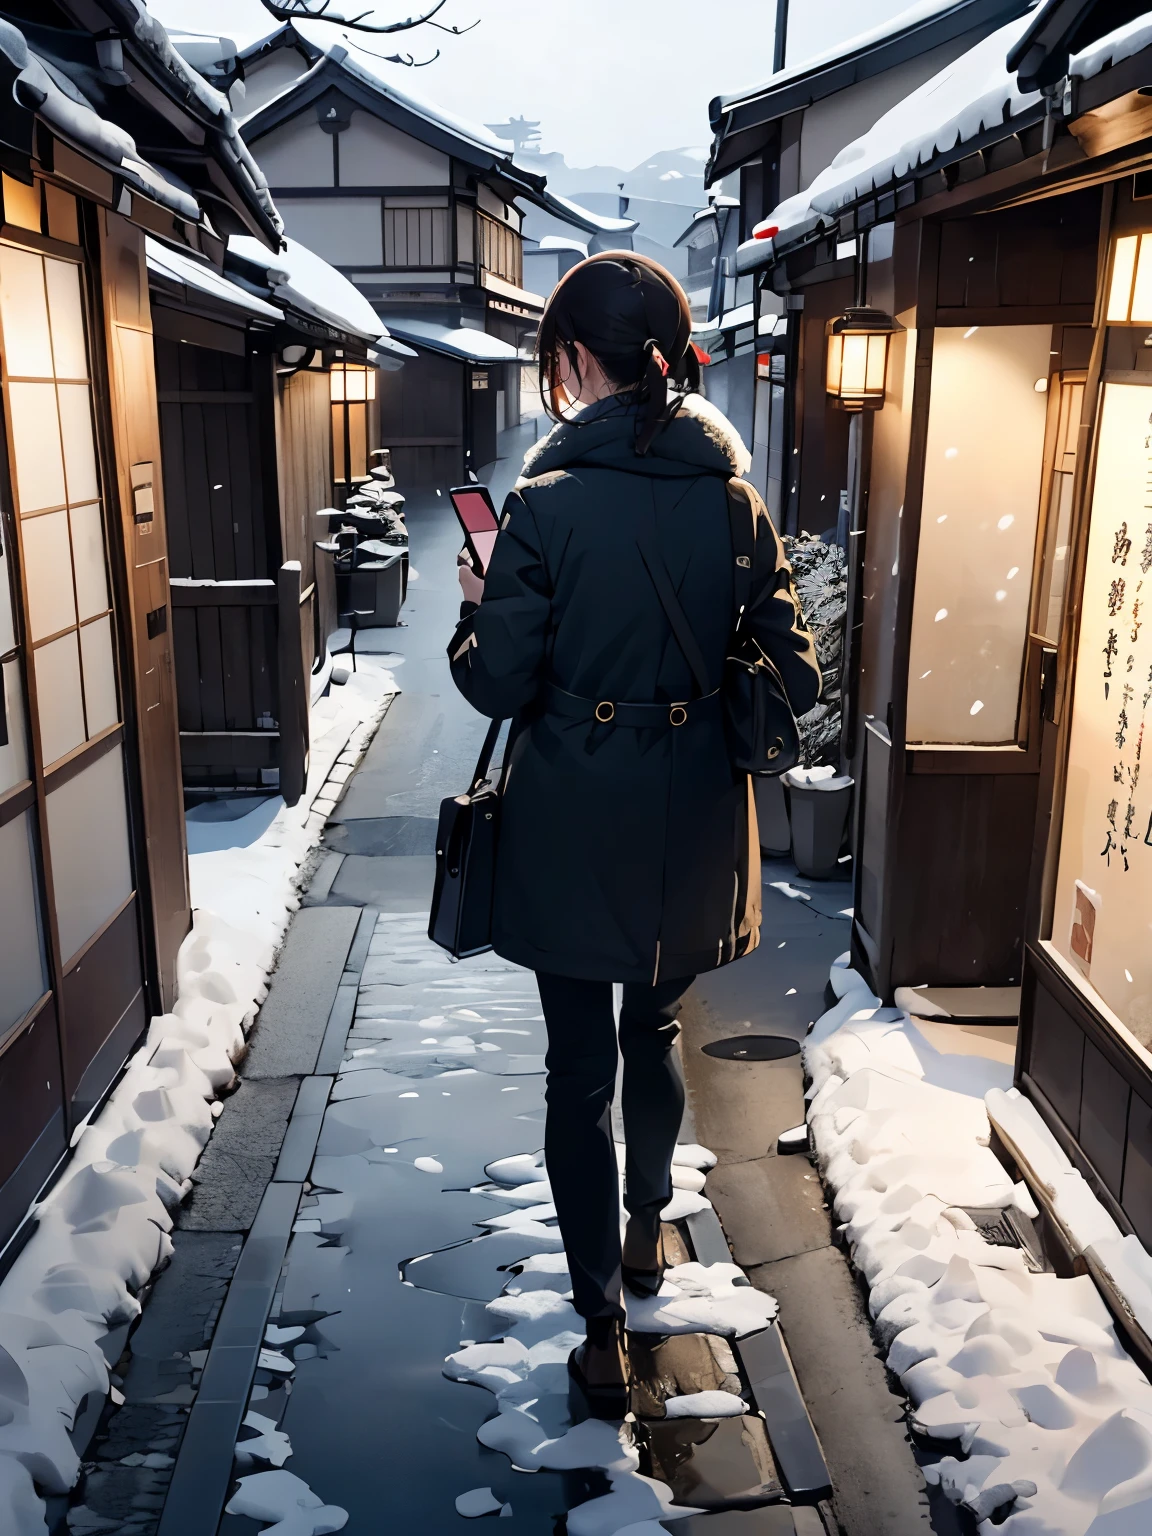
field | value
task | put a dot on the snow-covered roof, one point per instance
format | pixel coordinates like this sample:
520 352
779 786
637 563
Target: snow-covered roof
329 46
152 36
1112 50
584 218
860 42
168 263
558 243
386 349
738 118
60 77
332 50
742 315
299 277
453 340
973 93
44 89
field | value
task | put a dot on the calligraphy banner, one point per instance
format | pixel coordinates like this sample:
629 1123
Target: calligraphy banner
1103 918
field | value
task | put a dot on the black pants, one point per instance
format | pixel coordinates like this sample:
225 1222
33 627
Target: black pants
578 1147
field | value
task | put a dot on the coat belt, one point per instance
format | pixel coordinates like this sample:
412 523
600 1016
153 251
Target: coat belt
636 716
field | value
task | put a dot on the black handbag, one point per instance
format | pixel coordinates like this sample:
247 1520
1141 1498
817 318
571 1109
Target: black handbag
461 916
763 737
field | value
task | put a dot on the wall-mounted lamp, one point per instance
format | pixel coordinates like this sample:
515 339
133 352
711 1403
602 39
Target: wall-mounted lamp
1130 292
352 381
858 357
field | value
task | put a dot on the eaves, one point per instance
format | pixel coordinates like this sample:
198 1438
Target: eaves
328 75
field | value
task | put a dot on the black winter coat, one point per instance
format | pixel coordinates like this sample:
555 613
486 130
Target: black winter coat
625 854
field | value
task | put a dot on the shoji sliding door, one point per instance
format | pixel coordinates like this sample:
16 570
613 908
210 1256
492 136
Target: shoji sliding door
70 753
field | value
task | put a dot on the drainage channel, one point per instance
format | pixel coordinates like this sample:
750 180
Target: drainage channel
203 1470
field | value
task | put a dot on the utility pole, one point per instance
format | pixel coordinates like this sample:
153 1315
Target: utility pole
781 45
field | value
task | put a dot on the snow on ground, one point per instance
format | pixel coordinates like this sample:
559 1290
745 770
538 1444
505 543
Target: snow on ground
527 1369
103 1228
1023 1373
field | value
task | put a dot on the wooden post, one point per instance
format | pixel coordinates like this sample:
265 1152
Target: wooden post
136 431
293 685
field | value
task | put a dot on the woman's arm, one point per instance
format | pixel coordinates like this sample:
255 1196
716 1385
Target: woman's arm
498 651
774 616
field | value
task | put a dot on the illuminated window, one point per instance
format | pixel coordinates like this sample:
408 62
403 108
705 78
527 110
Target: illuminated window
1130 292
978 525
352 387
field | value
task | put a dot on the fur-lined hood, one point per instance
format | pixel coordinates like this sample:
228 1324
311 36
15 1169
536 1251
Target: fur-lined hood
697 439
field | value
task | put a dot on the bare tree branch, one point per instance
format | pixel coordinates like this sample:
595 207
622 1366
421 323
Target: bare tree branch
408 60
362 21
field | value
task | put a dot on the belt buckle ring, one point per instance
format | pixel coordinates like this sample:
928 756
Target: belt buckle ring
605 705
677 715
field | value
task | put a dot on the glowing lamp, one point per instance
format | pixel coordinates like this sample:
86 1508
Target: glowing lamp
352 381
1130 292
858 357
765 231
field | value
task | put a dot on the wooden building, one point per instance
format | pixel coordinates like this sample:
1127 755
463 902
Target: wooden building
778 138
421 211
999 224
255 449
93 870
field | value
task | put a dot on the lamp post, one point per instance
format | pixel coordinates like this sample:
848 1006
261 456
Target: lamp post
857 359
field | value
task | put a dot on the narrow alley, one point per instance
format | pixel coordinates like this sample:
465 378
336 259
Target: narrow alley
817 343
368 1285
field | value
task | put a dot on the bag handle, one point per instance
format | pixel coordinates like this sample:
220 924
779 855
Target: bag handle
484 760
673 612
743 546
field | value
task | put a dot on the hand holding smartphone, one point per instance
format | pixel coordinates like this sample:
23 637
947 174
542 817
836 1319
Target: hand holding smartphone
473 507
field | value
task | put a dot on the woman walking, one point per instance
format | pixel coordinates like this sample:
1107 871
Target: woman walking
628 848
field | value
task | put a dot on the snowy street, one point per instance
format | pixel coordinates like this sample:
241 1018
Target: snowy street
365 1316
806 407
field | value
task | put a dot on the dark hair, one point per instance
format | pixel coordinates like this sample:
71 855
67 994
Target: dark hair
633 317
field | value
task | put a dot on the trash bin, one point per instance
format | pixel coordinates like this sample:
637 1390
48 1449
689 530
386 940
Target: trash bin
819 802
375 588
772 814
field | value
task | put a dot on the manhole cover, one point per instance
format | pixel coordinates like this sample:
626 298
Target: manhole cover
753 1048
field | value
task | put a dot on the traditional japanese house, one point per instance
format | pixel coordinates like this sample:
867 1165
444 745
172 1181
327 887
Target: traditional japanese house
996 375
256 370
93 872
421 211
778 139
723 310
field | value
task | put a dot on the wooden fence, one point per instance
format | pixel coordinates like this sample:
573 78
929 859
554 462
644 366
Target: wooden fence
244 652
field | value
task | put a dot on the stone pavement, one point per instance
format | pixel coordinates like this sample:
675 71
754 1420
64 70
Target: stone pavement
348 1230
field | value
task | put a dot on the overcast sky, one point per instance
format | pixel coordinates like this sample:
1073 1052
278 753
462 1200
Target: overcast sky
611 81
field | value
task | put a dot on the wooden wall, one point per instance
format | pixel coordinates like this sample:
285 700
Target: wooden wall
136 428
222 524
304 464
422 420
1093 1089
822 429
1029 258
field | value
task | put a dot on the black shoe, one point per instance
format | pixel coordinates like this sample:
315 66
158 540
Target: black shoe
601 1372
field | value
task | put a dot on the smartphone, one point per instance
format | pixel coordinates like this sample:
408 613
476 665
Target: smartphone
473 506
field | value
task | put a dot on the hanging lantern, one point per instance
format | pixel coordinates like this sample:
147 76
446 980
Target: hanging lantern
858 357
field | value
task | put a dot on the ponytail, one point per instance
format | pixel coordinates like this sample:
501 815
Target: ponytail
634 319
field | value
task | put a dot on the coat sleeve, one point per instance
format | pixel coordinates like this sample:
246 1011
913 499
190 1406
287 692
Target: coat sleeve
774 616
498 653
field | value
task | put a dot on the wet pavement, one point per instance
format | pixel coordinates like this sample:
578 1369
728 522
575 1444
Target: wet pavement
375 1196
